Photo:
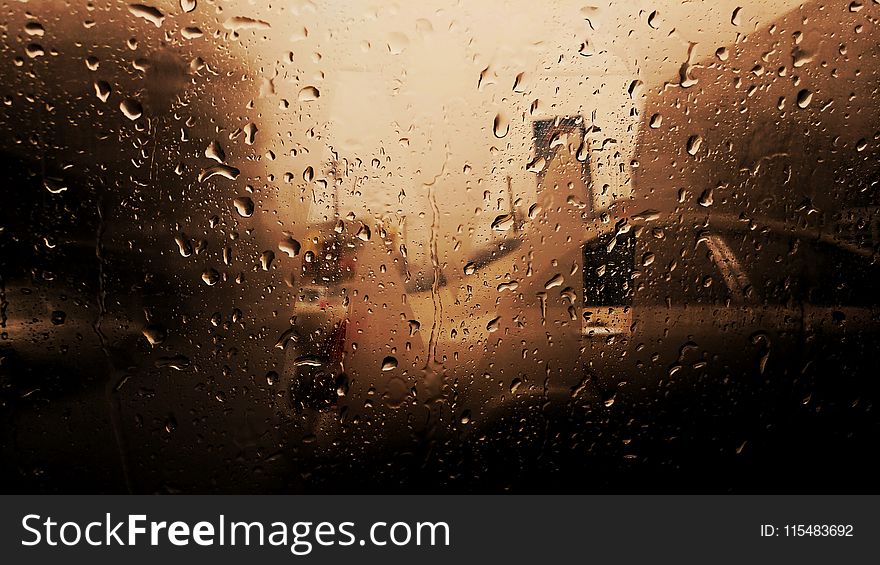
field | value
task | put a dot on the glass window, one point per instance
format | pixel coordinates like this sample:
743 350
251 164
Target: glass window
457 246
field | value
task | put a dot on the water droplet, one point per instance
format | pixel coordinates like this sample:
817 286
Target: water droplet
266 259
396 393
536 165
470 269
224 171
635 89
804 97
465 417
214 151
238 23
188 5
389 363
503 222
102 90
706 198
308 94
500 126
414 326
693 144
397 43
210 277
684 73
363 233
191 33
34 28
493 325
34 50
656 121
801 58
131 108
155 334
511 286
149 13
736 18
176 362
54 185
307 361
183 245
299 34
244 205
290 246
271 378
555 280
250 133
586 49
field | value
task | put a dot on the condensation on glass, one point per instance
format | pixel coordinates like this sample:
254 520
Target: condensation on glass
357 246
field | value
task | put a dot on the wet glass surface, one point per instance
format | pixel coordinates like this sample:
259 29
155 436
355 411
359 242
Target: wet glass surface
436 246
